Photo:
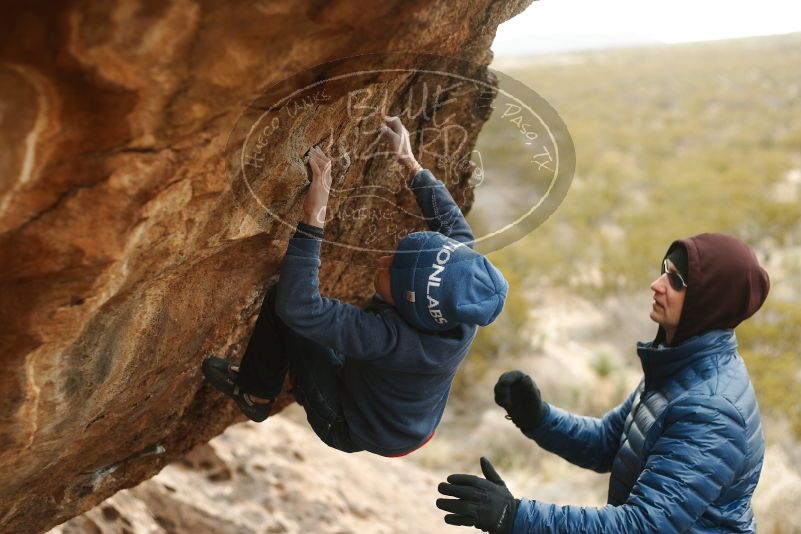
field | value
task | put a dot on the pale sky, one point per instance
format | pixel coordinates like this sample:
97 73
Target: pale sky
558 25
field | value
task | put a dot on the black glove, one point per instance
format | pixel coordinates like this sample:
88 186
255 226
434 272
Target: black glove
484 504
517 393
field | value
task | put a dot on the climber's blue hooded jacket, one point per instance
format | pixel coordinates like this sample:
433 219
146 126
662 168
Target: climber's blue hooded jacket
396 377
685 449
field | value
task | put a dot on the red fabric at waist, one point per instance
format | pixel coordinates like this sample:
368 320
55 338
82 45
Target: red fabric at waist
411 450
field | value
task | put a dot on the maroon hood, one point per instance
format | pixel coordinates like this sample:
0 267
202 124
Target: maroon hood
725 285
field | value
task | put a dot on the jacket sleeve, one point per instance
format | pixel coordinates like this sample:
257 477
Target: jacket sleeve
588 442
699 453
441 212
345 328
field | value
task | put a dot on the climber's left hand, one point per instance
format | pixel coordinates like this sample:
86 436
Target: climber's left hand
316 202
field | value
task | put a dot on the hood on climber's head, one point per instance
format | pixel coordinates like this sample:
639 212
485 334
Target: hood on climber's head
438 283
725 285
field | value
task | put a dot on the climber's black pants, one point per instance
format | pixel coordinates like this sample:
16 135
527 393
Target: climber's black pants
273 349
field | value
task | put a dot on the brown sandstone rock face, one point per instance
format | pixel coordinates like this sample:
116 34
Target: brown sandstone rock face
272 478
126 252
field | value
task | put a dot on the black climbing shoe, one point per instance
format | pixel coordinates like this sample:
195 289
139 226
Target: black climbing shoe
222 374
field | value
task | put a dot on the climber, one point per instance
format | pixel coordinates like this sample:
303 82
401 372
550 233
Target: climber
375 379
685 449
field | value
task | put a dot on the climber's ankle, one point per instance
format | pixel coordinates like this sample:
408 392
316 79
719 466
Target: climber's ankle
257 400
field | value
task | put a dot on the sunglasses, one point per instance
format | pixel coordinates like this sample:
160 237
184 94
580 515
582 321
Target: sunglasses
675 279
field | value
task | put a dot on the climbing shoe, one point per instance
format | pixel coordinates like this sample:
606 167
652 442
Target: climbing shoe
223 375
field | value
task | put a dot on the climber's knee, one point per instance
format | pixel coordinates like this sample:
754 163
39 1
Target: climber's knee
270 297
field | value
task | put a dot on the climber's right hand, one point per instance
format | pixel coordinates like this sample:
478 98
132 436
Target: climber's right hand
398 137
316 201
519 395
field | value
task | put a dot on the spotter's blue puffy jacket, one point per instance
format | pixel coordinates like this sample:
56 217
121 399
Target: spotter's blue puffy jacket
685 449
